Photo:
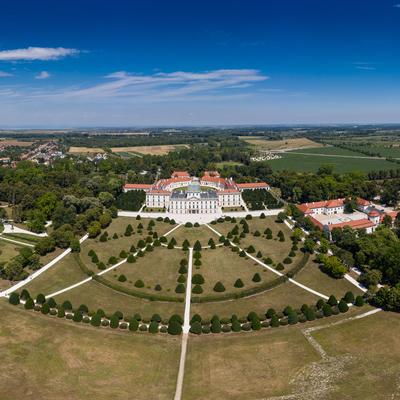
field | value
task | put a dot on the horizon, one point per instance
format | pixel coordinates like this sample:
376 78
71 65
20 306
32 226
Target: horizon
211 65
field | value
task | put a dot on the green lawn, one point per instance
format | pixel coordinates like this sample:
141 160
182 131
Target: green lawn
304 163
221 264
45 358
64 273
8 250
157 267
201 233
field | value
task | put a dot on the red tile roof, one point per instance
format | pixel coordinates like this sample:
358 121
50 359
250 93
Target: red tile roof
138 186
180 174
252 185
374 213
355 224
363 202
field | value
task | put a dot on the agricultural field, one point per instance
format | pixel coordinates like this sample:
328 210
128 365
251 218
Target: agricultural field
310 163
15 142
85 150
152 150
286 144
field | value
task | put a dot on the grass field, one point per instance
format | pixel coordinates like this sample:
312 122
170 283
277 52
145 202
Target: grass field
226 266
8 250
201 233
57 360
153 150
329 150
157 267
306 163
285 144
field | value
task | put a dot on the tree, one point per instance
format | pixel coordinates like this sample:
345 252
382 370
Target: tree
327 310
343 307
215 325
14 298
238 283
371 278
359 302
332 300
105 219
197 246
77 316
195 327
180 288
309 246
219 287
350 205
349 297
114 321
333 267
310 314
75 245
198 279
60 312
40 299
274 321
94 229
45 308
293 318
153 327
29 304
133 324
95 320
174 327
256 277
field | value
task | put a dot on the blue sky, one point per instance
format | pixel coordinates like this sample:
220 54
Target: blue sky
119 63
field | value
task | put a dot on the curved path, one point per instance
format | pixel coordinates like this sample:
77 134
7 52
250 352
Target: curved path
40 271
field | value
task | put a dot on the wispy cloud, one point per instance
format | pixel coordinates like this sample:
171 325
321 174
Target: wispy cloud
178 85
37 53
366 66
5 74
396 5
42 75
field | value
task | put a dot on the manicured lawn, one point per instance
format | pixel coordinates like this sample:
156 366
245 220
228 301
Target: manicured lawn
58 359
312 277
278 298
221 264
8 250
272 248
64 273
113 247
366 353
95 295
159 267
201 233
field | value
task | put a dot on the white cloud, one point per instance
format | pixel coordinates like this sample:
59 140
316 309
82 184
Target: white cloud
42 75
396 5
36 53
4 74
366 66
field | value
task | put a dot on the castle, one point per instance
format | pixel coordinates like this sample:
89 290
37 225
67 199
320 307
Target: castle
184 194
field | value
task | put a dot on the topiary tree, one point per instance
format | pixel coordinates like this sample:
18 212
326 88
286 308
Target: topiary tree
95 320
327 310
288 310
359 302
236 327
182 269
259 254
158 287
40 299
24 295
197 289
242 253
342 306
122 278
174 327
320 304
181 279
198 279
280 267
153 327
197 262
293 318
332 300
251 249
287 260
112 260
180 288
215 325
270 312
60 312
67 305
139 283
52 303
349 297
131 259
219 287
274 321
95 259
309 314
195 327
238 283
133 325
197 246
256 277
114 321
77 316
14 299
29 304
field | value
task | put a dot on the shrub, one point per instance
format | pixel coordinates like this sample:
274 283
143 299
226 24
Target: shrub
133 325
181 279
115 236
198 279
123 254
176 318
158 287
96 320
280 267
60 312
268 260
219 287
174 328
327 310
320 304
77 316
310 314
236 327
288 310
293 318
239 283
122 278
197 246
40 299
257 233
153 327
112 260
182 269
359 302
180 288
287 260
101 266
83 308
332 300
131 259
24 295
95 259
242 254
91 253
197 289
274 321
270 312
139 283
197 262
195 327
67 305
14 298
29 304
256 277
215 325
143 328
52 303
114 321
251 249
349 297
259 254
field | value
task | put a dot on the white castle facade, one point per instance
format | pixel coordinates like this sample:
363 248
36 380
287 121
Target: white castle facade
183 194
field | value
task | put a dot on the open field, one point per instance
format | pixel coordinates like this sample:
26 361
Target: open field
8 250
14 142
56 360
307 163
221 264
85 150
329 150
285 144
278 298
273 362
159 150
95 295
201 233
159 267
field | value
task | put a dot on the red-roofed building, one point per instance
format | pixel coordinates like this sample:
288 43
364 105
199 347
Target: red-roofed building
137 186
180 174
252 186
